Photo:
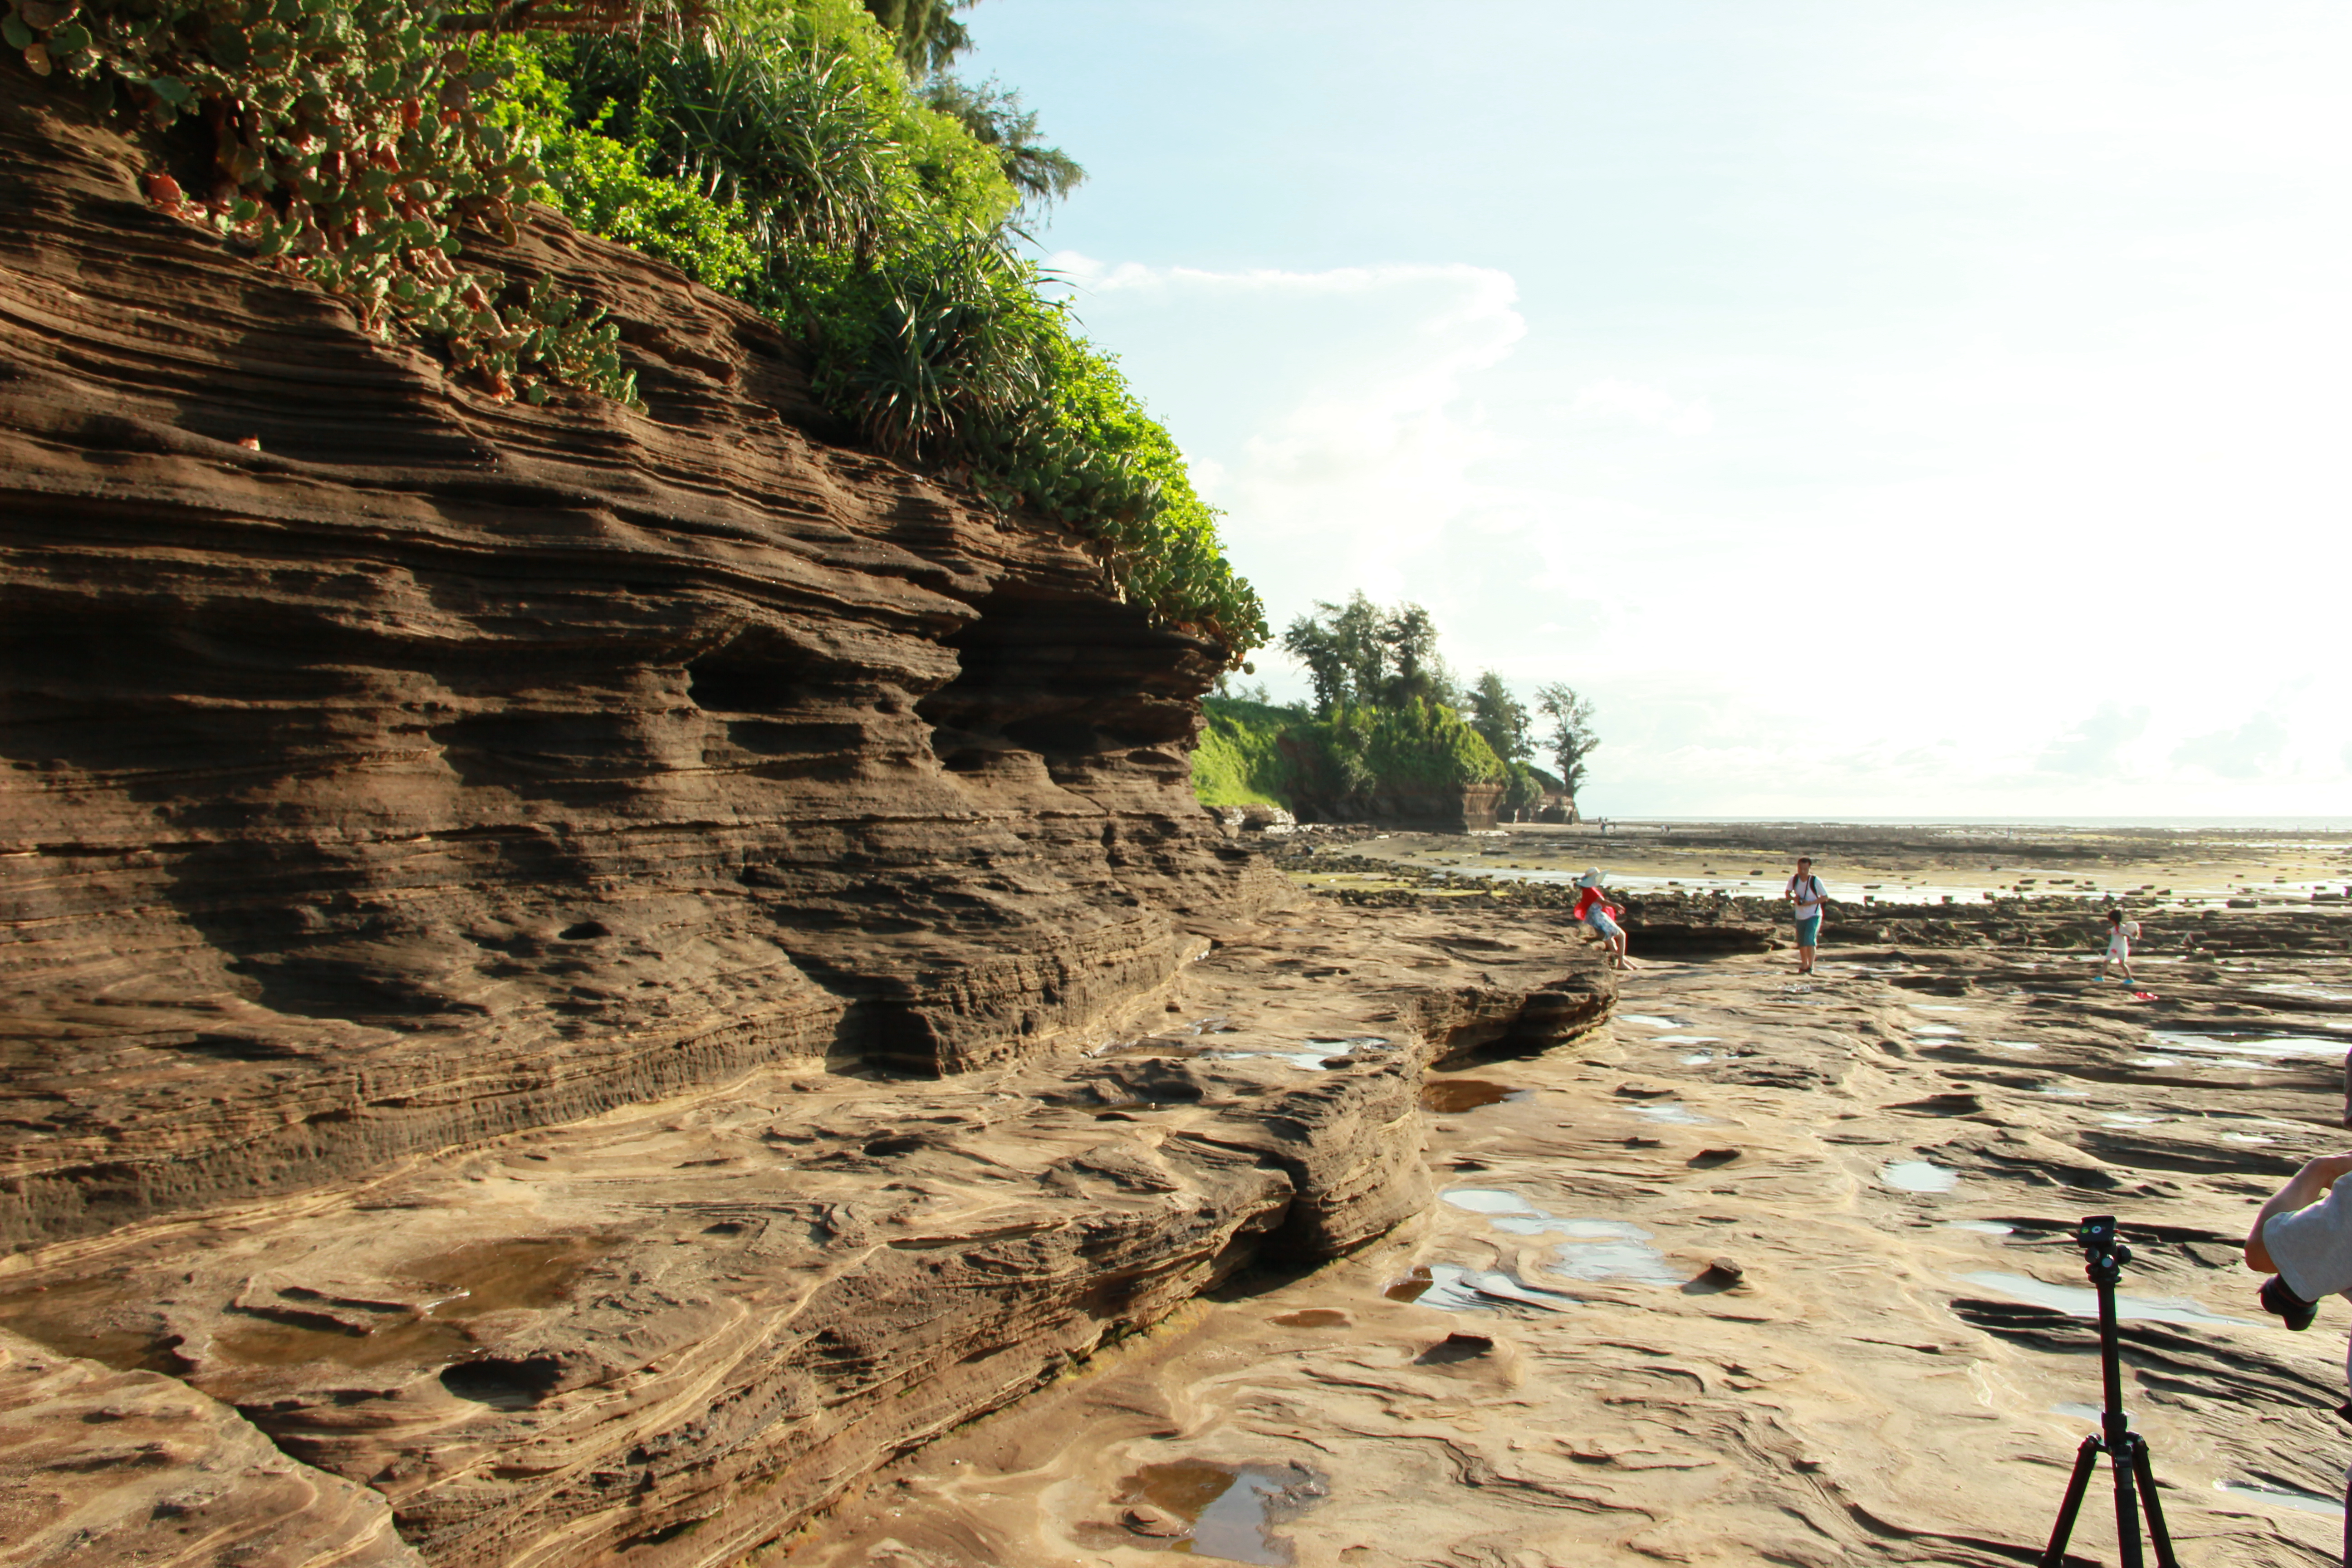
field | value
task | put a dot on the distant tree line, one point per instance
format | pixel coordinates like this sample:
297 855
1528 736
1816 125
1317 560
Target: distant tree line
1363 658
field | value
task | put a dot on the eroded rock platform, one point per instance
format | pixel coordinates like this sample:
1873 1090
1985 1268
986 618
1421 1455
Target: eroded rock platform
664 1335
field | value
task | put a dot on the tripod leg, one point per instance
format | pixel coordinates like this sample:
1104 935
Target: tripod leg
2086 1460
2127 1551
2156 1529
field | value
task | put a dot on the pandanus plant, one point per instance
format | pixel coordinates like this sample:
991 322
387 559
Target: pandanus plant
749 117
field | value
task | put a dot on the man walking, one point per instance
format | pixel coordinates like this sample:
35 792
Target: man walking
1804 890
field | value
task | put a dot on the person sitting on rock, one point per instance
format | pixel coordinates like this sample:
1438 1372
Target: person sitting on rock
1597 913
2121 934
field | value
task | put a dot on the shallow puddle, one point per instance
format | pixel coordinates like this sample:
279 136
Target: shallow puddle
2081 1301
78 1318
2283 1497
1455 1289
1918 1176
1673 1111
1452 1095
2240 1044
1650 1019
1686 1039
2014 1044
90 1318
1981 1226
1227 1512
1313 1061
1595 1249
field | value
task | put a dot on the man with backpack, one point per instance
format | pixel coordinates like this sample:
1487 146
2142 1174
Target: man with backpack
1804 890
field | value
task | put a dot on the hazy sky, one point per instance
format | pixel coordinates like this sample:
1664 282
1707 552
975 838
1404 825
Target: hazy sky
1875 407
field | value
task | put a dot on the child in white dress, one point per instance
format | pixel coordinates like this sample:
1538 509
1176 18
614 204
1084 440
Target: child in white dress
2121 934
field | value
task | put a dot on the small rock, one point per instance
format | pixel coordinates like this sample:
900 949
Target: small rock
1724 1271
1145 1519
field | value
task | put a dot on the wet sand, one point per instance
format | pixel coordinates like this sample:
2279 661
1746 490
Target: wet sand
1770 1269
2146 868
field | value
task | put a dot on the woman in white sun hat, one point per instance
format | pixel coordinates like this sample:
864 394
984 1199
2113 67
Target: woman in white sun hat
1595 911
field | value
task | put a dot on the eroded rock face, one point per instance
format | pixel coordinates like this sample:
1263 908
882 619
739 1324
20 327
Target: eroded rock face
443 769
105 1466
664 1336
599 975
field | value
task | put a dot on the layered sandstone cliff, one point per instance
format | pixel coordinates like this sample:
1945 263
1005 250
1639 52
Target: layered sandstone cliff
382 767
490 896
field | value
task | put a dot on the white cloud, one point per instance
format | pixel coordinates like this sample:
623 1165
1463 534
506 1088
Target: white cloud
1636 403
1940 421
2247 751
1352 442
2094 747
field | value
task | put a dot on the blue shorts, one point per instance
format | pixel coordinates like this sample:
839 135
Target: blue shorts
1598 921
1808 932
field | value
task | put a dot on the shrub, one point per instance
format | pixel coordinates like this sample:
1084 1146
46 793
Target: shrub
348 147
1240 760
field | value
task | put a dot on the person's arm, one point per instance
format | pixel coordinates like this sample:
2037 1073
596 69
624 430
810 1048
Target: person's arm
2306 1187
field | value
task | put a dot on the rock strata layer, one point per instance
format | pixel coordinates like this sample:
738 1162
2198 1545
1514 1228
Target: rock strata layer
666 1335
383 768
101 1466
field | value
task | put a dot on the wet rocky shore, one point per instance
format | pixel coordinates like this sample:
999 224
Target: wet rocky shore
1771 1269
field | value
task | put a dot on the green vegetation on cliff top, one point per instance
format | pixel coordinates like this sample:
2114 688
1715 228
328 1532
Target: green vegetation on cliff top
796 154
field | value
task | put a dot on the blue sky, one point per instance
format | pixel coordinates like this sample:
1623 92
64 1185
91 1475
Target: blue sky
1877 408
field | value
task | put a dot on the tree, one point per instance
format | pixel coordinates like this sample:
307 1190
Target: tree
1311 644
1409 639
1500 717
927 35
1361 655
997 120
1356 628
1572 738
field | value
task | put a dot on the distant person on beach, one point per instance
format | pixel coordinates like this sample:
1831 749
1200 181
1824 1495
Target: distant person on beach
1804 890
1596 911
2121 934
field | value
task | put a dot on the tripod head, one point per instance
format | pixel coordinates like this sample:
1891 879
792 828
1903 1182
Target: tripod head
2103 1255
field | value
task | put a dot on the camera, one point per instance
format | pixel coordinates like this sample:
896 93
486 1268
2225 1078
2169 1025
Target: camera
2279 1297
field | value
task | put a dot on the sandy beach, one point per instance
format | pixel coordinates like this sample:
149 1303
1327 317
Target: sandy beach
1769 1269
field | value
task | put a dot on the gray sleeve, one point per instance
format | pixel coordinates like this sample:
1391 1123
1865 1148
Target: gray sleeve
2312 1247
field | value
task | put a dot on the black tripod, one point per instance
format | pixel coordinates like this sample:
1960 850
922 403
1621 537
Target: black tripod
2103 1258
